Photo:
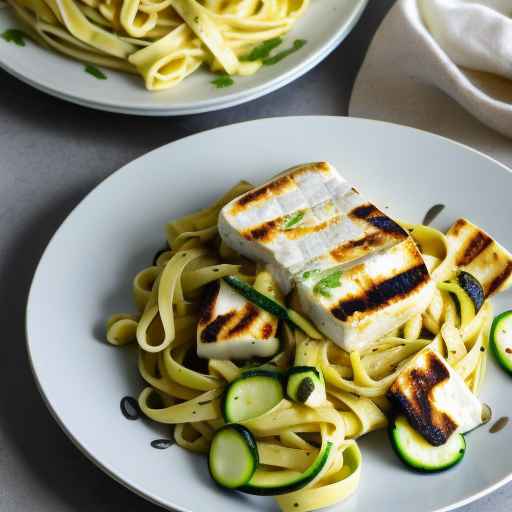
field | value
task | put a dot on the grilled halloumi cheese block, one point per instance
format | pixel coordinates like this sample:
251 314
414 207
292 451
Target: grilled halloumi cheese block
435 398
307 216
230 327
309 221
476 252
373 296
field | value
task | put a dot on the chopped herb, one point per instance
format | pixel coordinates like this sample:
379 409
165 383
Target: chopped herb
278 57
95 72
223 81
292 220
262 51
310 273
205 402
196 19
330 281
13 35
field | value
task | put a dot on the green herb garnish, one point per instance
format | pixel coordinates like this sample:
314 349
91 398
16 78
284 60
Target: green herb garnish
278 57
310 273
223 81
196 19
292 220
262 51
13 35
328 282
95 72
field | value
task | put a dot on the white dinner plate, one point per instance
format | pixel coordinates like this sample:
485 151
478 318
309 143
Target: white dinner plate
85 276
325 24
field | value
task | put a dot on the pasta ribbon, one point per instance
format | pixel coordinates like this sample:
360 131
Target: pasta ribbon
164 41
186 392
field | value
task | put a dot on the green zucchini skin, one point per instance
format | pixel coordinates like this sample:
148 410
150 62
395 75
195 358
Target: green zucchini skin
472 287
257 298
452 452
269 305
283 486
302 382
503 358
251 455
229 397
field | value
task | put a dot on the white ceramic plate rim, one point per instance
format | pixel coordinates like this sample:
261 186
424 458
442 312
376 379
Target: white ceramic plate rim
206 105
83 447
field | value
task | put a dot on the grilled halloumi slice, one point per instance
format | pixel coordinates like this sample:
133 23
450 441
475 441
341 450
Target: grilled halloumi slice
368 298
476 252
307 216
230 327
435 398
309 221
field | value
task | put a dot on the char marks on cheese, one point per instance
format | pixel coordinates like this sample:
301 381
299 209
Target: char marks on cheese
476 252
381 295
369 213
435 426
230 327
311 219
500 279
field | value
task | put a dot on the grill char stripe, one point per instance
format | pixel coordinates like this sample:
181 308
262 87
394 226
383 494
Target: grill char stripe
208 303
435 426
475 247
382 294
249 314
500 279
212 331
372 215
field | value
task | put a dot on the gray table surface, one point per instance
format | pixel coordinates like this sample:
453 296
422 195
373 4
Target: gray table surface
51 154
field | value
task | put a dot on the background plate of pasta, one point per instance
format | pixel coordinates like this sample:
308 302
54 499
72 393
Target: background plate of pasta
168 57
327 324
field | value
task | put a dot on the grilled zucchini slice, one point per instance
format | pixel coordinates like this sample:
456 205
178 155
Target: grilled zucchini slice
254 393
233 456
306 386
417 453
468 292
501 340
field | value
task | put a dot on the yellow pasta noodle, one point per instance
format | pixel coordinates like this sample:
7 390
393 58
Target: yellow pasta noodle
185 393
164 41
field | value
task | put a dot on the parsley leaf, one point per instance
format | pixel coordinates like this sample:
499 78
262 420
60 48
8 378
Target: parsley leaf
328 282
278 57
95 72
223 81
262 51
310 273
13 35
292 220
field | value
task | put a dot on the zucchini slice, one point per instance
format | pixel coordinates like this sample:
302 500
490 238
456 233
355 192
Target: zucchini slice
501 340
252 394
469 294
272 483
415 452
233 456
271 306
306 386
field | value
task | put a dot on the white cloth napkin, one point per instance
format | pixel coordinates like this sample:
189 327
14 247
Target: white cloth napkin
428 49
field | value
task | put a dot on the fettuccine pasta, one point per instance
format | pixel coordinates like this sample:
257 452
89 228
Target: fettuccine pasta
186 393
164 41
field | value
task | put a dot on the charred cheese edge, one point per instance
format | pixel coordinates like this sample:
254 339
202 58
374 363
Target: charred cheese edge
374 296
230 327
476 252
434 398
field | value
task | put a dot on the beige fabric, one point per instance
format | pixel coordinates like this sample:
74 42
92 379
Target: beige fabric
407 77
